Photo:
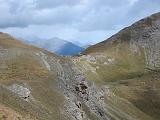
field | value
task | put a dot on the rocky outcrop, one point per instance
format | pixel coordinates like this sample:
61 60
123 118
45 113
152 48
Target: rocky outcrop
21 91
80 94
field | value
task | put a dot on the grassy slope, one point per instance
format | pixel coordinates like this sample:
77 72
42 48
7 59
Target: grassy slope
126 64
126 68
26 68
126 77
143 92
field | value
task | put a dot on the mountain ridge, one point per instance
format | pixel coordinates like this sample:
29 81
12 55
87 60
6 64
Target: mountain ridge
58 46
142 22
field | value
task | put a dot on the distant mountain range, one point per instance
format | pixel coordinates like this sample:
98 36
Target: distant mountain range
58 46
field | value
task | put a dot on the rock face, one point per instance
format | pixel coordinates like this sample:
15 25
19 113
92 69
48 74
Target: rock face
117 79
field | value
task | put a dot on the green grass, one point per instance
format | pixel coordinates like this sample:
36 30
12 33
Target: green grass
127 65
143 92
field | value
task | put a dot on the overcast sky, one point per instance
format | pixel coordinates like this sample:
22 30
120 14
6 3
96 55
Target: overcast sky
75 20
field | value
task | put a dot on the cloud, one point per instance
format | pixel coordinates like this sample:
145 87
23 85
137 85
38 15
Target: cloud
68 18
143 8
15 13
84 15
22 13
60 15
104 15
109 3
46 4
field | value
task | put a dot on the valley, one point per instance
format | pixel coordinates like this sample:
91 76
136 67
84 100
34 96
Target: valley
117 79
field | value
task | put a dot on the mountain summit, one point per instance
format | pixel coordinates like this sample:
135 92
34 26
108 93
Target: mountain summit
117 79
58 46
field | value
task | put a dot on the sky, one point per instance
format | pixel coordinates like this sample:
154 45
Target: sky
84 21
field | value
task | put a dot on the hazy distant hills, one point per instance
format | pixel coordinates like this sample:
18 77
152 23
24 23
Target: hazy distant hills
58 46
